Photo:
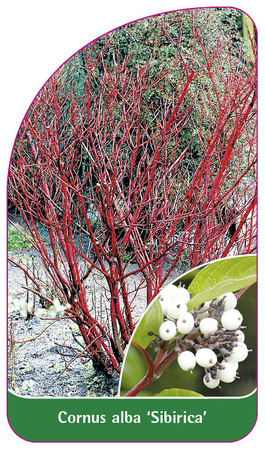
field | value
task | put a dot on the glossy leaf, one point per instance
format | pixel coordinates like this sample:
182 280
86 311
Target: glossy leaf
177 393
150 321
134 368
225 275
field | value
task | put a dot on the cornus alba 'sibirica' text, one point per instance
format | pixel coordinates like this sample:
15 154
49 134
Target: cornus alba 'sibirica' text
209 335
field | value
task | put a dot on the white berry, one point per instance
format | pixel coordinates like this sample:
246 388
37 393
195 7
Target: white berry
187 360
231 319
172 293
210 382
232 362
228 373
167 330
176 308
201 316
240 336
168 294
183 294
208 325
164 304
229 300
185 323
239 353
205 357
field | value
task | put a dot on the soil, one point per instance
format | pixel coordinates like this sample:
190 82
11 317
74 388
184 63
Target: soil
38 361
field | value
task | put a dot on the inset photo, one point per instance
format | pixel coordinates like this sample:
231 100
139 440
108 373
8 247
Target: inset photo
198 337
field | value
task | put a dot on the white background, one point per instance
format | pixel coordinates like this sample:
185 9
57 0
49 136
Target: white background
36 38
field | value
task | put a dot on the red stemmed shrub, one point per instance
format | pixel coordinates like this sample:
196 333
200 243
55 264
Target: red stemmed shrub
138 171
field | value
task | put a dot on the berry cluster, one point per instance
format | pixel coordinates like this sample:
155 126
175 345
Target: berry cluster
209 336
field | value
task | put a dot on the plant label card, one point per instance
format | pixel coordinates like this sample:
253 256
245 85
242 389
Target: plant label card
132 238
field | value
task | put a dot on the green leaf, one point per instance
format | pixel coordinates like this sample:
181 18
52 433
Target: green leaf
177 393
150 321
134 368
225 275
